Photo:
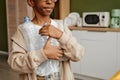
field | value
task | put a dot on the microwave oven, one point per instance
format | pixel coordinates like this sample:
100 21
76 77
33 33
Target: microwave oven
96 19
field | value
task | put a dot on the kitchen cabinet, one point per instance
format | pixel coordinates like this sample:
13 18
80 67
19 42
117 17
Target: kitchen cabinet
100 57
76 67
118 52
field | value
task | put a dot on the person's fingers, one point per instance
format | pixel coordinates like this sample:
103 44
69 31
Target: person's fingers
57 57
58 47
60 52
44 34
45 27
43 30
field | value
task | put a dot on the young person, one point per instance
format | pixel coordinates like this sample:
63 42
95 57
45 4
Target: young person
45 59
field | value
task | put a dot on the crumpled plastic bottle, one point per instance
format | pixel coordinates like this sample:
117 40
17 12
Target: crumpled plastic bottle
32 38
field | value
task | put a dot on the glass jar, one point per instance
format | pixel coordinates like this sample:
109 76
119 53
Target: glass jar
115 18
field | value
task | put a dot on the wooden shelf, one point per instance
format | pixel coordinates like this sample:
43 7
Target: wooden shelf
95 29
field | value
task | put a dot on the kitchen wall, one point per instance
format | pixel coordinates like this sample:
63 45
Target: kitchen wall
3 27
93 5
16 11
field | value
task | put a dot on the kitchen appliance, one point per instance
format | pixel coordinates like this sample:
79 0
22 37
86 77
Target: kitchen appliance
96 19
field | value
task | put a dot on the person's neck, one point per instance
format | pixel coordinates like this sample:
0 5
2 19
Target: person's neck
41 20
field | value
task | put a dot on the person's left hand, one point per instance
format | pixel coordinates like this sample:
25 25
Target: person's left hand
51 31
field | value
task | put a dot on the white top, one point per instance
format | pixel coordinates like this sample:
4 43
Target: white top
35 42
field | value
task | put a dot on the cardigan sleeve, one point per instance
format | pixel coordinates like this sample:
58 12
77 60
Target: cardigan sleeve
20 59
72 49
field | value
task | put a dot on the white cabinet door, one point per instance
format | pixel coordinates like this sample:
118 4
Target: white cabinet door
118 52
76 66
100 53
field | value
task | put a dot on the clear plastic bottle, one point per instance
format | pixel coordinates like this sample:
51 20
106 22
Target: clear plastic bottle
32 36
35 41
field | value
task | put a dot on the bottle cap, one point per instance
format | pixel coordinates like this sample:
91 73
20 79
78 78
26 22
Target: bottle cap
26 19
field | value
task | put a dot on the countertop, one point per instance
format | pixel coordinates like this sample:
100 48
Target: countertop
99 29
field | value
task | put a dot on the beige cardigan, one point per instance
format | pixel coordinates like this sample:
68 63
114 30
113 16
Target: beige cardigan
25 62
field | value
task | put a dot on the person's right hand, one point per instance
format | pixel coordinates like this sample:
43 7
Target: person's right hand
51 31
52 52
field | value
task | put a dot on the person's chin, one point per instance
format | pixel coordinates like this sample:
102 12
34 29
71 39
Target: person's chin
48 13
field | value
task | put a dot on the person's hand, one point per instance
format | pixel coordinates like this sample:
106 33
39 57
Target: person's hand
52 52
51 31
